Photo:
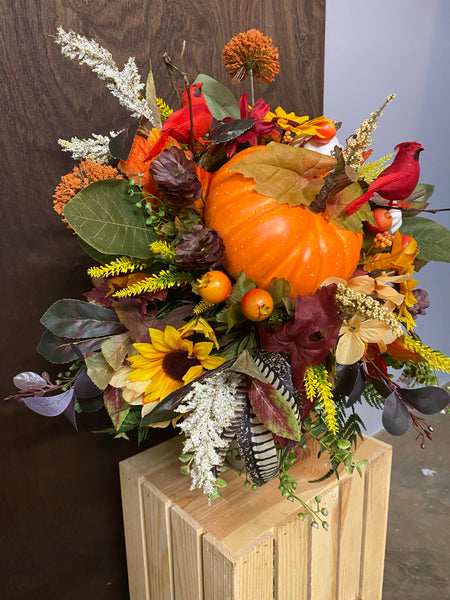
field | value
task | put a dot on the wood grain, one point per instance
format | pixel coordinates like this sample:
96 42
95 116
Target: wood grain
60 491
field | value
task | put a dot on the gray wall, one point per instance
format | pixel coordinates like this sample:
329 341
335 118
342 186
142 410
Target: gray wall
374 48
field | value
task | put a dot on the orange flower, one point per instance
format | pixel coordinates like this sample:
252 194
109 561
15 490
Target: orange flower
251 51
80 177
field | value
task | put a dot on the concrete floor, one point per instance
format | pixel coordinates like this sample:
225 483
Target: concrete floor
418 540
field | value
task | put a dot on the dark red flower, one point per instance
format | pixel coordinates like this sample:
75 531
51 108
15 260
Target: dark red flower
309 336
257 114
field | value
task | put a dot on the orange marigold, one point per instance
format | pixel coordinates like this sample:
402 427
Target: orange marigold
79 178
251 51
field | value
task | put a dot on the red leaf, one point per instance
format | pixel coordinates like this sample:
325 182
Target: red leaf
273 410
117 408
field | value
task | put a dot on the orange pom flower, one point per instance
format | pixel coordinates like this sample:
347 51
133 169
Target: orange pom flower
80 177
251 51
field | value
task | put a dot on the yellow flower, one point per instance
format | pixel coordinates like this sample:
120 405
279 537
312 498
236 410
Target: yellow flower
356 333
199 325
169 362
406 288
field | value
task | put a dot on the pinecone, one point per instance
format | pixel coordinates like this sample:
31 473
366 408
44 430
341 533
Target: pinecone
200 248
176 178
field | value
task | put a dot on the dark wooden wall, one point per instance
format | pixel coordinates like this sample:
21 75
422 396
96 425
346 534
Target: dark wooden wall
60 514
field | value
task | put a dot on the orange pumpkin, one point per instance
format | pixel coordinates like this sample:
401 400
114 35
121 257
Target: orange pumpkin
266 239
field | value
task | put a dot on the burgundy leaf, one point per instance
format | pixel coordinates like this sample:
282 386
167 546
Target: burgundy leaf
273 410
310 335
117 408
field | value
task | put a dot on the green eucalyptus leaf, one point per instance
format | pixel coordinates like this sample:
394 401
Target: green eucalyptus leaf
432 238
75 319
221 102
108 220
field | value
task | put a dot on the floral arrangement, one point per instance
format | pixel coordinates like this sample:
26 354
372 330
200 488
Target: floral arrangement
253 277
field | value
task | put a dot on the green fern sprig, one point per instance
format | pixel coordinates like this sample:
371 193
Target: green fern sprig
155 283
119 266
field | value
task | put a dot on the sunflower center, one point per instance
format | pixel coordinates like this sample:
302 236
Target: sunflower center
177 363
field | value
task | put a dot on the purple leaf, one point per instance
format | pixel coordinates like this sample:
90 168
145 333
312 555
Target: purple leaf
84 387
77 319
427 400
396 418
28 380
70 411
50 406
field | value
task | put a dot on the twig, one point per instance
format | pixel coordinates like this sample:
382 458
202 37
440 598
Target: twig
171 68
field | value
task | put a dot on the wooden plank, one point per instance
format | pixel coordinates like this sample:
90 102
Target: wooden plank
376 502
324 550
218 570
186 556
351 503
156 517
244 576
292 561
253 578
132 510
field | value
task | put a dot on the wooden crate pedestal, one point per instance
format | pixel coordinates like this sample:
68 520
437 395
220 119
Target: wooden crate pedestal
251 545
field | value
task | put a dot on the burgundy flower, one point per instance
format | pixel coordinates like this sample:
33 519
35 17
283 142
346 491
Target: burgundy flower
310 335
257 114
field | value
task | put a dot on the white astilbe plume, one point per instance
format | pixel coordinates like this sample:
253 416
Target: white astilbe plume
95 148
125 85
211 408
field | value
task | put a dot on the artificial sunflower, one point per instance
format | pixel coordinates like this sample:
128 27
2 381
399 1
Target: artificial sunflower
169 362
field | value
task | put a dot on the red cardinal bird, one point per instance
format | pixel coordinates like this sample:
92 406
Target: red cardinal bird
178 124
396 182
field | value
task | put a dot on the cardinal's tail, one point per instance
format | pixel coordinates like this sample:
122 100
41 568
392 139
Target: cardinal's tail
355 204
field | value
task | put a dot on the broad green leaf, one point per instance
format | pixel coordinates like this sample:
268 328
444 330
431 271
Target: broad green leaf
219 99
108 220
432 238
278 289
68 318
286 173
103 259
120 145
99 370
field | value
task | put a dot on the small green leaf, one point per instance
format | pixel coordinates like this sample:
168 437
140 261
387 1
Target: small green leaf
219 99
246 365
185 470
115 349
432 238
108 220
221 483
343 444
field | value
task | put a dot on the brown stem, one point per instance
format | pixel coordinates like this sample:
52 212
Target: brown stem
434 210
171 69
